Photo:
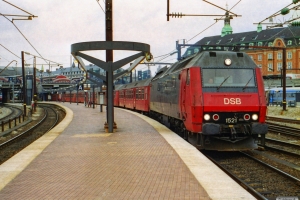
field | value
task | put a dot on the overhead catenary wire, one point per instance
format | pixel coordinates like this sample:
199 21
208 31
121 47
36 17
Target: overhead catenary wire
24 37
167 55
10 51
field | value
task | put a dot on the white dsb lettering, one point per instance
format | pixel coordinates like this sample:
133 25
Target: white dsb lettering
232 101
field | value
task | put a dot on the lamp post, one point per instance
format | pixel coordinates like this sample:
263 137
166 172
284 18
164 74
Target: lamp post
41 75
24 83
34 85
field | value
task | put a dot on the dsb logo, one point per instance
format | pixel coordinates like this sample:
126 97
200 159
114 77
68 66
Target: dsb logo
232 101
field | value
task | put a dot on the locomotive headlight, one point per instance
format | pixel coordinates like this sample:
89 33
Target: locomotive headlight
206 117
227 62
254 116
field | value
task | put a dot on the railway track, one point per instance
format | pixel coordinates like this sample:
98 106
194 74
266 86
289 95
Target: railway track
261 179
283 129
287 120
49 116
13 113
13 118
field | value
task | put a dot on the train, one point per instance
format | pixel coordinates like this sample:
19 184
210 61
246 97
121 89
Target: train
214 99
275 96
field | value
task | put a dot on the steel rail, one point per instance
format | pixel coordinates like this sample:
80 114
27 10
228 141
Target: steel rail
273 168
250 189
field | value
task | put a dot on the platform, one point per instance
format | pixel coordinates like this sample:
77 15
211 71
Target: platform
141 160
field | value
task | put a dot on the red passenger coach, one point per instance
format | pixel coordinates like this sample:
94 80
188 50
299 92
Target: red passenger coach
134 95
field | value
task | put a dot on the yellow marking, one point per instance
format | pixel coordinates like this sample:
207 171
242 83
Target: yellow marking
92 135
112 143
230 126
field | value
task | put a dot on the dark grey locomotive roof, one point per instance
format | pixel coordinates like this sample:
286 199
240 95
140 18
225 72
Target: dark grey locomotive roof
215 59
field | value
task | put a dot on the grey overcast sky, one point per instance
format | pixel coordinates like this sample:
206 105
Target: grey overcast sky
62 23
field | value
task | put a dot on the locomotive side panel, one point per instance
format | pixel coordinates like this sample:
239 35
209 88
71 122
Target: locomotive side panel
164 95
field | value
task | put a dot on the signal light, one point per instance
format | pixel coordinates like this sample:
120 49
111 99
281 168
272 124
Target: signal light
216 117
246 117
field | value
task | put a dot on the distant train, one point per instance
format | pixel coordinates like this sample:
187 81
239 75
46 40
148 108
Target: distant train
215 98
288 76
275 96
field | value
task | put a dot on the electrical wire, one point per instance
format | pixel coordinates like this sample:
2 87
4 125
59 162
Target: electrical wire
24 37
10 51
167 55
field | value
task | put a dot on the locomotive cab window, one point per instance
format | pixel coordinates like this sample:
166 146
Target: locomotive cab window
233 77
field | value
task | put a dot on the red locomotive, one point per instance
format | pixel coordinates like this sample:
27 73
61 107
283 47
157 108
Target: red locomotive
214 99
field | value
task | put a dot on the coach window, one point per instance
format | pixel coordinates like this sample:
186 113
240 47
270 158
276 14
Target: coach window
137 94
142 93
188 77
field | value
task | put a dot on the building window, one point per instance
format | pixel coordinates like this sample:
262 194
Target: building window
207 42
270 44
259 57
259 44
279 55
279 66
289 55
251 57
270 67
242 39
229 40
259 65
270 56
242 48
290 42
289 65
250 44
218 42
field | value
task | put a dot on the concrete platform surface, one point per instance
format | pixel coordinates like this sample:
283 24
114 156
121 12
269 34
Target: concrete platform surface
141 160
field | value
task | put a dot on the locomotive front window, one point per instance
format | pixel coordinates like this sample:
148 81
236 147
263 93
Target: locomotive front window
233 77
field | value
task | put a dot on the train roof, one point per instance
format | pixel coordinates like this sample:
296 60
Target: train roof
216 59
141 83
212 59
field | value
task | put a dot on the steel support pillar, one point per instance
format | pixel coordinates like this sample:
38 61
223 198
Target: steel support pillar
109 66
